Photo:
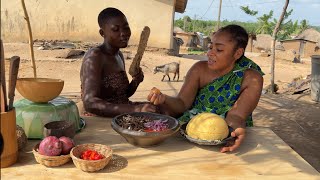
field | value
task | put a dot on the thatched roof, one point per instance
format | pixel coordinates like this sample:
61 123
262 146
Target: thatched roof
180 6
263 41
310 35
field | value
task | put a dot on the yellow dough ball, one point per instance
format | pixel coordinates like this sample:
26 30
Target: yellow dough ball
207 126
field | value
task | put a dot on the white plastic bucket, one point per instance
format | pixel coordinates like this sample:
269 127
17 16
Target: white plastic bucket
315 78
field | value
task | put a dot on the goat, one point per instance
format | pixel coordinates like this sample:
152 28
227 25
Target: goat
173 67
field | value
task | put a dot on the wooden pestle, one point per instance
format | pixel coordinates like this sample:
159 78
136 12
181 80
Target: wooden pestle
135 65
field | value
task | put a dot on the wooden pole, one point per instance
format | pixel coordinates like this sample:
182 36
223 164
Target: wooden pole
273 44
26 17
218 25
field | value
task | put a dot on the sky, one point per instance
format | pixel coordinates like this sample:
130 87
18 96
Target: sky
209 9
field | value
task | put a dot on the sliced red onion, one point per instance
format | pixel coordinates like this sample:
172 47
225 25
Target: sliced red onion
157 125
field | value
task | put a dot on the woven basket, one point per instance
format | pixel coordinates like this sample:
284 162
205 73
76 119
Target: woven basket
91 165
50 161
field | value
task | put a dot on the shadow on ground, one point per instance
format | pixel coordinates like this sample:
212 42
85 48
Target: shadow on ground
296 122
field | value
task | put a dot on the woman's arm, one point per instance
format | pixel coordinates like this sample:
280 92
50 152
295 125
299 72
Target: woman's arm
183 101
251 88
136 80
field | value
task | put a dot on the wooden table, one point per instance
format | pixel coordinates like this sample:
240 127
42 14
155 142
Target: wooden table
263 155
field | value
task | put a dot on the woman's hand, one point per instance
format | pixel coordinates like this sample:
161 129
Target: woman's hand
147 107
138 77
239 135
156 97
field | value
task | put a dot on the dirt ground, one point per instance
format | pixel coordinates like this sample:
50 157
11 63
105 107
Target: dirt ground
294 118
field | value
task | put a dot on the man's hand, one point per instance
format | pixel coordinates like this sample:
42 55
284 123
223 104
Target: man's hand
239 135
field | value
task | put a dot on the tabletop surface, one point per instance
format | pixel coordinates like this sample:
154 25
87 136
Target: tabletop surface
262 155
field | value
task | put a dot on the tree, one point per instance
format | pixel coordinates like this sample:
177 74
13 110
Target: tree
266 25
303 25
186 19
248 11
274 35
286 28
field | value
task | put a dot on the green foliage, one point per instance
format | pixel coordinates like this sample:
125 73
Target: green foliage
207 27
196 52
248 11
315 27
287 27
303 25
264 24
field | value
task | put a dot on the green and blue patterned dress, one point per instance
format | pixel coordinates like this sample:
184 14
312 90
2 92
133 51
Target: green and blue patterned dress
220 95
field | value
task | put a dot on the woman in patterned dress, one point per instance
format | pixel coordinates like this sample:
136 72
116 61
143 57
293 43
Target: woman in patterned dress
105 87
228 84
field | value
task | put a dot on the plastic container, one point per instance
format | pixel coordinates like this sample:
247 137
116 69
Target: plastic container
315 78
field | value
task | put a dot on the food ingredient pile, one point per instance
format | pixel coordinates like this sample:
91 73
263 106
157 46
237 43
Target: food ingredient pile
142 123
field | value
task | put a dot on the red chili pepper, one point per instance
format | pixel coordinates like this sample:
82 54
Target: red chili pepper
91 155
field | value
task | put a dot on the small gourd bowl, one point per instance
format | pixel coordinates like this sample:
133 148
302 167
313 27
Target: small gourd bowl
39 90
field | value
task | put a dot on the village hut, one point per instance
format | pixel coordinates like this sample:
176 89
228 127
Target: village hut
262 43
310 35
61 20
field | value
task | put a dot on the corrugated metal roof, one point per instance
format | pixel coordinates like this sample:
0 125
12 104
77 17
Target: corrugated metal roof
181 5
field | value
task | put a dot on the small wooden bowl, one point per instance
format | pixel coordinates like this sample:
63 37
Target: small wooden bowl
91 165
50 161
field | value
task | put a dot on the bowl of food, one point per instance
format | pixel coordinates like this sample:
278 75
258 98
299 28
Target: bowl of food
91 157
39 90
145 129
206 129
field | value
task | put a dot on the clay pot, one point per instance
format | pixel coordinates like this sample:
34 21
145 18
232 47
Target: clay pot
59 128
145 139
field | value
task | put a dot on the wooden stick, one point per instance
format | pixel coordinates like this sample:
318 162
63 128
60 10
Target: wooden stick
135 65
26 17
3 81
13 74
3 104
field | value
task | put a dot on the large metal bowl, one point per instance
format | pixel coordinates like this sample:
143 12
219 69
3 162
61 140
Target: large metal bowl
145 139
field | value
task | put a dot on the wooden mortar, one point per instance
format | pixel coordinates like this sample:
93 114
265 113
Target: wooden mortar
8 130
